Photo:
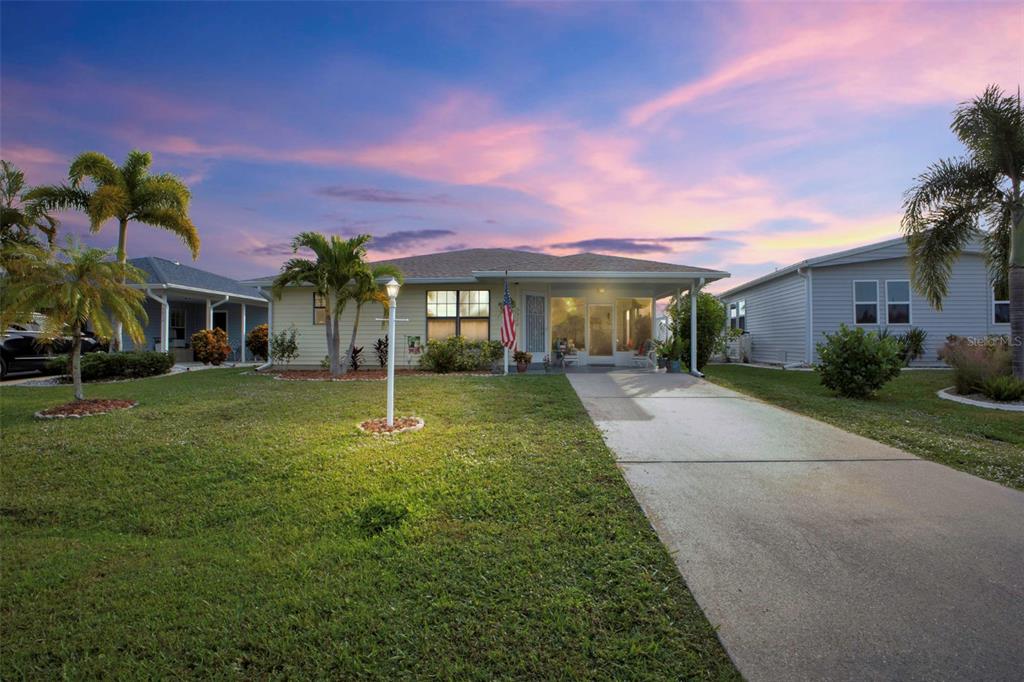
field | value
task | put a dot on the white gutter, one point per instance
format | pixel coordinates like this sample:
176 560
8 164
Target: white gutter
806 274
204 291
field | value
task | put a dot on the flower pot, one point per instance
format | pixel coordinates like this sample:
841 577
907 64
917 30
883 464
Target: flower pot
662 362
522 366
674 366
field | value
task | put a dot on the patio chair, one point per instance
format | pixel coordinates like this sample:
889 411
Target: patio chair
646 356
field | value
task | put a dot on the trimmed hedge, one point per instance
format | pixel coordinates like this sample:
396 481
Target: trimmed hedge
126 365
455 354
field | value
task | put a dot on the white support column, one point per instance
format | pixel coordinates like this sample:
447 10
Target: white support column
209 314
243 332
165 320
693 329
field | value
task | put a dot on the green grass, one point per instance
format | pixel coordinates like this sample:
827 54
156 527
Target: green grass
906 413
226 527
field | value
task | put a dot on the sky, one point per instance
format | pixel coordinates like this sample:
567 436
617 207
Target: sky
736 136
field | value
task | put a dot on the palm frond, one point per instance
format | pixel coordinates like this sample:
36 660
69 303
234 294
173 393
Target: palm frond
992 128
135 168
173 221
95 166
934 244
108 201
49 198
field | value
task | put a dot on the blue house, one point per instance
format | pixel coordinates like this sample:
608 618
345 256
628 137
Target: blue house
181 300
786 313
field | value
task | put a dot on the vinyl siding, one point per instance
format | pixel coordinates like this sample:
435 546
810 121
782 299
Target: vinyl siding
776 319
967 310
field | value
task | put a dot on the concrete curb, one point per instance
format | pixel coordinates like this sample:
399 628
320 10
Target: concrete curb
945 394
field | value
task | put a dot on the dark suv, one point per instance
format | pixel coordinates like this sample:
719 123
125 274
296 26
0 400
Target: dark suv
21 351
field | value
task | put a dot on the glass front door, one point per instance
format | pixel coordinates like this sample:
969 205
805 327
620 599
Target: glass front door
599 328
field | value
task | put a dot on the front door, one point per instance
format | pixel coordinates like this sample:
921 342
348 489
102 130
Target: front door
599 333
535 335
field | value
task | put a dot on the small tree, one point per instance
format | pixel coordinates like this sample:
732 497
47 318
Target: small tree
367 286
76 287
18 219
710 321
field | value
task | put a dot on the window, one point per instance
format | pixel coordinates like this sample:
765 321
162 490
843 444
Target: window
568 323
738 315
458 313
897 301
1000 303
319 309
865 302
220 319
634 323
177 324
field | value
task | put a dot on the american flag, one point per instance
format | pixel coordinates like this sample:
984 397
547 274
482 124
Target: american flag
508 322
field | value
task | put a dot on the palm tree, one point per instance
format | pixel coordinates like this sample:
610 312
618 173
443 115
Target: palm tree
125 193
367 287
76 286
17 219
955 197
337 262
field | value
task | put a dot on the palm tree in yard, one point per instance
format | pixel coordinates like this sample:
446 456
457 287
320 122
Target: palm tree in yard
976 195
17 218
123 193
337 261
367 287
75 286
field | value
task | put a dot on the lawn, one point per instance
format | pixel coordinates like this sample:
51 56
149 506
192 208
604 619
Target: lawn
906 413
236 526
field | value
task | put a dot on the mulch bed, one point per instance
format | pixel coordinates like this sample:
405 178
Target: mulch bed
361 375
85 408
379 426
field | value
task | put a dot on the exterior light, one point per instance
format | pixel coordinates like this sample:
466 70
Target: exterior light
392 288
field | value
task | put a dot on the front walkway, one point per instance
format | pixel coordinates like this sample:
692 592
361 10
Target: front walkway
818 553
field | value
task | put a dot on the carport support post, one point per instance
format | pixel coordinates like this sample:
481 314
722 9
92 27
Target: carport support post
243 332
209 315
694 291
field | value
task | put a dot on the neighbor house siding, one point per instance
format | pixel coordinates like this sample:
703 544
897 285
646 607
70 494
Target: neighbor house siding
776 318
966 311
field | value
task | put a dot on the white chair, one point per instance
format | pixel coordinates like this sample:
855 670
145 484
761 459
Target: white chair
646 356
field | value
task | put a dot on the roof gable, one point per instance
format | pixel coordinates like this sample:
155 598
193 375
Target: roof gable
160 271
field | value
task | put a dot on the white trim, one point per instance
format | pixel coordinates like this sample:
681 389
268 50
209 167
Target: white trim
878 315
197 290
604 274
995 301
909 303
547 323
242 347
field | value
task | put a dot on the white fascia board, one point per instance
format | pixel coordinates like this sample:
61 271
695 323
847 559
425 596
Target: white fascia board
197 290
707 275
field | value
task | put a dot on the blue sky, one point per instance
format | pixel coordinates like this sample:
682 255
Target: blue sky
740 136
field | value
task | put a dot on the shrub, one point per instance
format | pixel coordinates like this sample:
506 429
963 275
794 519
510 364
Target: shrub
1003 388
381 349
124 365
912 344
975 360
257 340
210 346
455 354
710 321
855 363
283 345
356 357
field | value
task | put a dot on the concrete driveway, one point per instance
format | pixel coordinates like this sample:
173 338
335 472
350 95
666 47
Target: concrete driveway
817 553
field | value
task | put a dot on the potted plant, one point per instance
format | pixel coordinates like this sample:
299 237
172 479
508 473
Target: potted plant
523 360
675 355
662 349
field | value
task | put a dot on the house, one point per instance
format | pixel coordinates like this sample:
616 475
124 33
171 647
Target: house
603 306
181 300
787 312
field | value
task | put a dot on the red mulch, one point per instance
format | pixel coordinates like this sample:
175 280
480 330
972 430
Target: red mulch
380 425
361 375
86 408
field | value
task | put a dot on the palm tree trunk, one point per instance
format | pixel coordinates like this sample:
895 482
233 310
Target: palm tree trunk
1016 286
333 340
76 362
122 258
355 328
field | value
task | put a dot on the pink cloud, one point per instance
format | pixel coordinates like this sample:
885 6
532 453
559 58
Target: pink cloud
862 56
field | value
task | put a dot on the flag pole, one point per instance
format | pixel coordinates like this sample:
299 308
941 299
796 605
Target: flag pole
503 313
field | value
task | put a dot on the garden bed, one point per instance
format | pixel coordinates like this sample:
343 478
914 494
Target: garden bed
359 375
981 400
90 407
379 426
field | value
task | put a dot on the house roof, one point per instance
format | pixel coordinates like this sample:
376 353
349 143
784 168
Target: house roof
472 264
865 253
172 274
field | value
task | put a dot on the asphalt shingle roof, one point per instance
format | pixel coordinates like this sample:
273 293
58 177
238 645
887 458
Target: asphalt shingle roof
163 271
464 262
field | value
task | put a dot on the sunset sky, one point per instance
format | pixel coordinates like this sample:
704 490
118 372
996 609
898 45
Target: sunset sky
735 136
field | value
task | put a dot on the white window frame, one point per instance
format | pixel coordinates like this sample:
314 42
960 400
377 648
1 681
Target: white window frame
878 316
999 301
730 318
909 303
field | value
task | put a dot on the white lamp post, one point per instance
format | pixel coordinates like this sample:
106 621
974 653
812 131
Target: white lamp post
392 288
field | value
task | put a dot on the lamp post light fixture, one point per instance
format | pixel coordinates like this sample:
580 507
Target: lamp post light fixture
392 288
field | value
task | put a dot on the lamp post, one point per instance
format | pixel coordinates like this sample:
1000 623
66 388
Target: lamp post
392 288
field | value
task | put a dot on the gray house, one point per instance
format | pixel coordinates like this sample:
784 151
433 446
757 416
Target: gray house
785 314
181 300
